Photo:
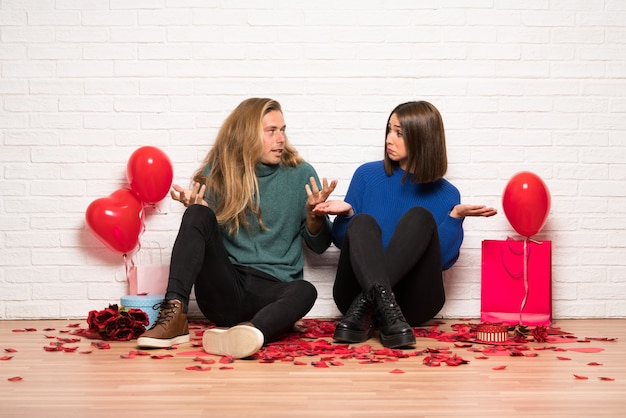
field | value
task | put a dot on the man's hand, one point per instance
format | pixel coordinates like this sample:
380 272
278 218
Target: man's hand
189 197
315 196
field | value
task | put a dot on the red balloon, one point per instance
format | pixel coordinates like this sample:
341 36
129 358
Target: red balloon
149 172
526 203
117 220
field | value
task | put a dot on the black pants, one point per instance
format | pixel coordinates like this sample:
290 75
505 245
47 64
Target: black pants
410 265
228 294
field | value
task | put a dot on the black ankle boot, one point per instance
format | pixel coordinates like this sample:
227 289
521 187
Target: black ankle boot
356 325
393 329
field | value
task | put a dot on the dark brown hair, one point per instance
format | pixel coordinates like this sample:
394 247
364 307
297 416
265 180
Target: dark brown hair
424 139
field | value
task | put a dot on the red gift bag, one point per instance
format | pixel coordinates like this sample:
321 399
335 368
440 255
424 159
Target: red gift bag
516 282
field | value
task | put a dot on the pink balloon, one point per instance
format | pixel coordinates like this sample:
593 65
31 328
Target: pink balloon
117 220
526 203
149 172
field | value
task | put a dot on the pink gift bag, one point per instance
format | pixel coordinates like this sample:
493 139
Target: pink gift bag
516 282
150 275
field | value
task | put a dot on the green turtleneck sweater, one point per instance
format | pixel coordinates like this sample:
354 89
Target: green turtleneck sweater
278 250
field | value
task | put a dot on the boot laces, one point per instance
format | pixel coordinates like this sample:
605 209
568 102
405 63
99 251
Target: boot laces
359 308
167 311
390 309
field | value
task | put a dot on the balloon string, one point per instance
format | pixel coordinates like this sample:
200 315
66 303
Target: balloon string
521 309
153 206
132 264
143 229
128 259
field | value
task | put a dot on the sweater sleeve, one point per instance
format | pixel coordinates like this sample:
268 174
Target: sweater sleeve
319 242
450 240
339 229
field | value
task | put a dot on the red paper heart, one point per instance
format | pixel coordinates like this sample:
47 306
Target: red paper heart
117 220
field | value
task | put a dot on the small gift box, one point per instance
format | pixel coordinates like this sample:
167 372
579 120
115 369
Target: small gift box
147 303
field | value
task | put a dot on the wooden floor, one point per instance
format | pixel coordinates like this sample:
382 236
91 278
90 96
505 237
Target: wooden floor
95 382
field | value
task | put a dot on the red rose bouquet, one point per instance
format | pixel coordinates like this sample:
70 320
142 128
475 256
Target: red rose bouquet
118 324
522 332
540 333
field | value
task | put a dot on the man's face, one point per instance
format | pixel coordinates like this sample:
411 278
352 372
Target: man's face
273 137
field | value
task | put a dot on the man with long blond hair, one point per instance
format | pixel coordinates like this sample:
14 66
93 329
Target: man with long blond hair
240 241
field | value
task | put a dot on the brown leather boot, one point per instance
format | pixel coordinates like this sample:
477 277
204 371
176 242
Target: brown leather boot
170 327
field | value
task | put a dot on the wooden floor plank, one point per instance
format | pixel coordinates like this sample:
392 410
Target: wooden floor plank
61 384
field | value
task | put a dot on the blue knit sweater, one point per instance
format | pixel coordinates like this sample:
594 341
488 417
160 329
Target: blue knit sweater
386 198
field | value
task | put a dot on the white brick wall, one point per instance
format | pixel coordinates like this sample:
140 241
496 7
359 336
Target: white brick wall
531 85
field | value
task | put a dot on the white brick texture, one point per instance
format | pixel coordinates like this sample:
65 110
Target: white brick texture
537 86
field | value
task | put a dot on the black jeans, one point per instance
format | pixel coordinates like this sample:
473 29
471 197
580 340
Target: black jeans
229 294
410 265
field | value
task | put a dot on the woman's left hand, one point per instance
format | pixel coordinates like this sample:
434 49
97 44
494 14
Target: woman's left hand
463 209
334 207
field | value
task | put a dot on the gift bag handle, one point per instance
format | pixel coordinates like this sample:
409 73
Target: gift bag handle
129 263
149 246
513 251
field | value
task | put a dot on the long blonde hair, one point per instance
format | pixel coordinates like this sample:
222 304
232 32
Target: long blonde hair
232 185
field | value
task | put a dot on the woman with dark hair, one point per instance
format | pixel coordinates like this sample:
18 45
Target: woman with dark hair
240 241
399 227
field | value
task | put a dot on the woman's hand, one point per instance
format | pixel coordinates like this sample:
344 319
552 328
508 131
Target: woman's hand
189 197
462 210
334 207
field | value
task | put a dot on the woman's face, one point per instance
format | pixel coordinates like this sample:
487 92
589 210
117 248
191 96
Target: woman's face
394 144
273 137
